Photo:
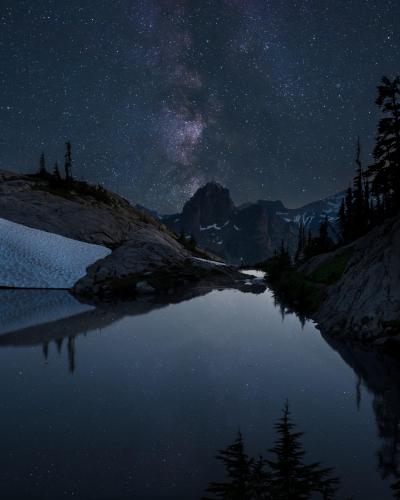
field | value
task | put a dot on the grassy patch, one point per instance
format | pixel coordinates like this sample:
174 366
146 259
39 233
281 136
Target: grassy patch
331 271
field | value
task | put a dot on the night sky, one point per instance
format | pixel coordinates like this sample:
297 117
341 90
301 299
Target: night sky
160 96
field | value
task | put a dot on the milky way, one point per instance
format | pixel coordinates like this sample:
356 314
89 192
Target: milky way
160 96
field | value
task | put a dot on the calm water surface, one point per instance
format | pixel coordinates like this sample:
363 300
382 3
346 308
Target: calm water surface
133 401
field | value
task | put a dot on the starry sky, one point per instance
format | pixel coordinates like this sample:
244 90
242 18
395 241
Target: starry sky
160 96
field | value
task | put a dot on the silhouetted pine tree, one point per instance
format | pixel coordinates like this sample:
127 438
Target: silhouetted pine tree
386 169
359 215
285 478
396 489
342 221
302 242
320 244
42 165
367 203
349 214
68 161
56 172
259 481
239 471
290 478
324 240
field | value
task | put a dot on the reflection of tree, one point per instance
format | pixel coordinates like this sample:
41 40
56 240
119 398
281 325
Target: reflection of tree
45 349
59 343
388 427
282 477
396 489
70 350
380 374
285 308
71 353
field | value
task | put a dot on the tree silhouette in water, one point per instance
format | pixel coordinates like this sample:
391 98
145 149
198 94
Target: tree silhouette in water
284 477
396 489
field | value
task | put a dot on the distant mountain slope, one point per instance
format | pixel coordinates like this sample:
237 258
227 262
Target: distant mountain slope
312 214
250 232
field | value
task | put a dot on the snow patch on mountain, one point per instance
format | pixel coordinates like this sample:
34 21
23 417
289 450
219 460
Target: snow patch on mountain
31 258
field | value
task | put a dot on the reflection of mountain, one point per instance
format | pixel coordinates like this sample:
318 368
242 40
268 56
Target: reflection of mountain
380 374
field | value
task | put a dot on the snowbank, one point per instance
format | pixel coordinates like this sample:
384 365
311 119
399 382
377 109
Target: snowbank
30 258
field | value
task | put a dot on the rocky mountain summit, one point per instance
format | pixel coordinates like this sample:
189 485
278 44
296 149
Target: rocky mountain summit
145 257
250 232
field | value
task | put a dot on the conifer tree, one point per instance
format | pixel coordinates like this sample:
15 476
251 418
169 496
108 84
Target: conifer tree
396 489
42 165
358 196
68 161
301 243
56 172
367 203
324 240
342 220
386 168
290 478
259 482
238 468
349 214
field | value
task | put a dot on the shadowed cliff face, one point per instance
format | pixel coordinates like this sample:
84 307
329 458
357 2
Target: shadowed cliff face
365 302
210 205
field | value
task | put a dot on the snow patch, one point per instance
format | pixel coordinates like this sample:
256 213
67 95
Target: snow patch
31 258
215 263
214 226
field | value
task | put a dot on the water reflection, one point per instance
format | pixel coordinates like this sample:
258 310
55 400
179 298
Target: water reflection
170 382
380 374
40 317
282 475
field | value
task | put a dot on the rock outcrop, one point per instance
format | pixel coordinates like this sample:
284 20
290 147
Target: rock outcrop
365 302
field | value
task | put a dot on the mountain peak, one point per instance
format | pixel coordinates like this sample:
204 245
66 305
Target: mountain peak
211 204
